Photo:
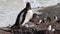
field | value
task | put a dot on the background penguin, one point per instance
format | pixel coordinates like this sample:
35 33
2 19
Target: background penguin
48 19
55 18
49 27
27 14
34 19
58 21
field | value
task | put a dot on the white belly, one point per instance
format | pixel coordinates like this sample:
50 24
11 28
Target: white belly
49 28
28 17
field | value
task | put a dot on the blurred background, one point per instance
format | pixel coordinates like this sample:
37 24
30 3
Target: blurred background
9 9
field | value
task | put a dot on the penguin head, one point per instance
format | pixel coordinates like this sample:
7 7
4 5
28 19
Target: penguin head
34 15
28 6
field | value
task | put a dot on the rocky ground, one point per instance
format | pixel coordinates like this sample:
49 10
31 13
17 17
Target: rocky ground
52 10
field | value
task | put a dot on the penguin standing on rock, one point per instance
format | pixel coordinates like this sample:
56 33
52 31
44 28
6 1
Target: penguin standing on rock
26 14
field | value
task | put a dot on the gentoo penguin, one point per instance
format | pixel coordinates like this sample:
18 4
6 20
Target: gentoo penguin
42 21
55 18
49 27
58 21
48 19
27 14
34 19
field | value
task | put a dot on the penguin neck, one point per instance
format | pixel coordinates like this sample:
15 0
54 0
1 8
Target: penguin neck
27 8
